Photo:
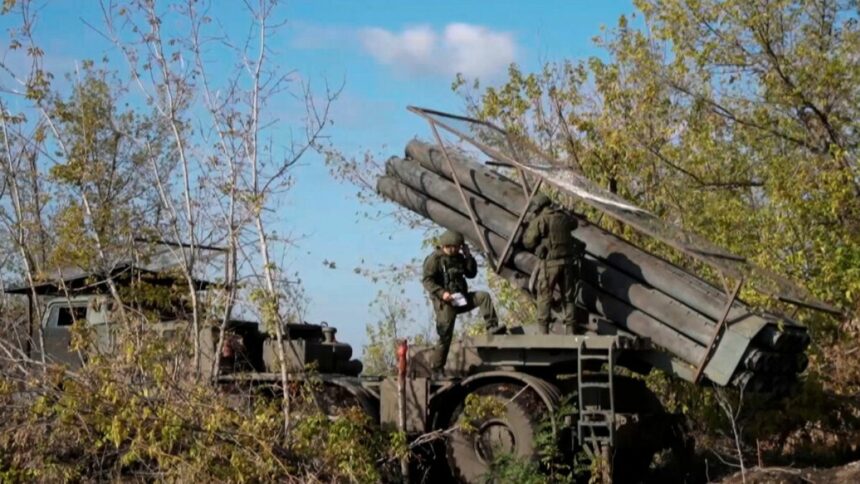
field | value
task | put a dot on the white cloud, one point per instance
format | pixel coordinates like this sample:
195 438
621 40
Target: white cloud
473 50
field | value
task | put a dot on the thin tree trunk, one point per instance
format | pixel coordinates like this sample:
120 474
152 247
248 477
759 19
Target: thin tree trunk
189 262
259 196
21 241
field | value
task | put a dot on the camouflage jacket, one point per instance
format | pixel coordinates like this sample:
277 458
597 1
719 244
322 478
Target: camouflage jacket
549 235
448 273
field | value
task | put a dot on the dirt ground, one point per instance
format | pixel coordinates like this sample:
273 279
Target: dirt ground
847 474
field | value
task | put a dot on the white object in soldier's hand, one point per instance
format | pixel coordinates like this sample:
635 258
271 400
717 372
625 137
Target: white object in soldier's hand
458 300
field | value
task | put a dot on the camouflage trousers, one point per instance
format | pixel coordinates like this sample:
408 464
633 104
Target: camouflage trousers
564 275
446 314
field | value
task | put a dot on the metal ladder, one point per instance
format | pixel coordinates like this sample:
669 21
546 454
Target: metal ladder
595 429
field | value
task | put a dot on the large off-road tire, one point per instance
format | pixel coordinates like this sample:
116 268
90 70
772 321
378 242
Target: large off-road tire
513 431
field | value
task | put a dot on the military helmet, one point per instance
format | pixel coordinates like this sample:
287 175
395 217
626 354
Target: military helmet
540 201
451 237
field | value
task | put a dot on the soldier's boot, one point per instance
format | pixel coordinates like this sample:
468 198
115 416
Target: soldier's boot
543 327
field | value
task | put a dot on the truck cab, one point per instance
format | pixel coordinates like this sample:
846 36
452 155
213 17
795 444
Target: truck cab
93 316
59 318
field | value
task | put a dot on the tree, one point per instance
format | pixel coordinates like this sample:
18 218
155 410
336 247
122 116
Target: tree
246 172
184 155
735 120
394 324
102 197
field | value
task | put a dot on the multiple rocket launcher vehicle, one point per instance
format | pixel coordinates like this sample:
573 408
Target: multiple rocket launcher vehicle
640 310
635 291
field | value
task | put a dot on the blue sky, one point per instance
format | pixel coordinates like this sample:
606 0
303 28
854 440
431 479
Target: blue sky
388 55
326 41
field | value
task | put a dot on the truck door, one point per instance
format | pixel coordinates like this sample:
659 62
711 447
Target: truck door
58 332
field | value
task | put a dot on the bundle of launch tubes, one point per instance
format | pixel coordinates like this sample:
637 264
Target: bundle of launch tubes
638 292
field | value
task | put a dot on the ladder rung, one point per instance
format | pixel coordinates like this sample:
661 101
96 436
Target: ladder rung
600 440
595 424
592 377
595 438
593 385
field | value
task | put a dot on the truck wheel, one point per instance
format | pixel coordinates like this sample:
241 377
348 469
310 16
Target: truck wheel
512 431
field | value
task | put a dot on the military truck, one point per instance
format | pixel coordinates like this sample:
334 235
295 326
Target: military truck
94 311
702 330
640 311
530 375
72 295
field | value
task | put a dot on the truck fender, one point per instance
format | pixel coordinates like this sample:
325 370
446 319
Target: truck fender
368 401
447 397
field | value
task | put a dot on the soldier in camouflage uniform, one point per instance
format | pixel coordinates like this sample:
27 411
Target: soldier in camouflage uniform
445 274
560 254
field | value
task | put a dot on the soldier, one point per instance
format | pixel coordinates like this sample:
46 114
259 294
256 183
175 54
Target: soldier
549 234
445 274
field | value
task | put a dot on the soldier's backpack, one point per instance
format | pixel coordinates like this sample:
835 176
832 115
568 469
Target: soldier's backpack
560 242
